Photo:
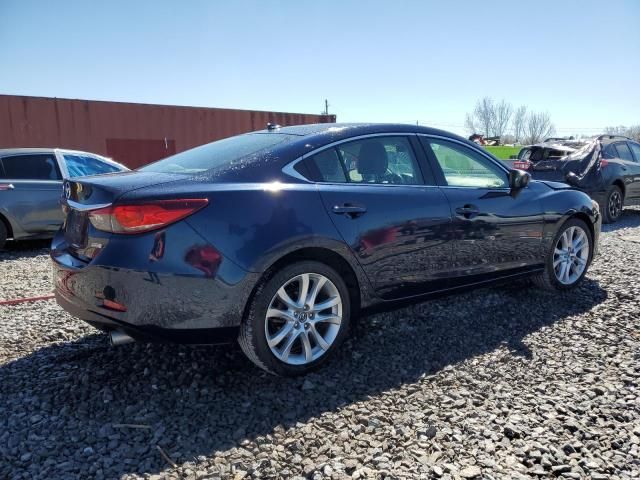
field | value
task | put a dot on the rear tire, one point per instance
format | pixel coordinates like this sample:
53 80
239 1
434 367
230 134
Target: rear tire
564 267
614 201
286 330
3 234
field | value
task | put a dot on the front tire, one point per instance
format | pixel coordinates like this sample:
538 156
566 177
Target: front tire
614 202
297 319
569 257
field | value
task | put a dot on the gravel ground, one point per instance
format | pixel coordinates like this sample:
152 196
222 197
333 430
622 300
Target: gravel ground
498 383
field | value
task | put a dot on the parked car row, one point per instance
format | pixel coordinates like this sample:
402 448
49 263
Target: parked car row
279 238
607 168
31 187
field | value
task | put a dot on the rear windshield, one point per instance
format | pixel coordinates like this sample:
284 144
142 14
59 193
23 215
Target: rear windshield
221 154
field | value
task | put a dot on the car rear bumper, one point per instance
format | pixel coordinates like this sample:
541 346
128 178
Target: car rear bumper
182 306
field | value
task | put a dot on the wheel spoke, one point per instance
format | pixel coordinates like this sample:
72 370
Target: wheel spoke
306 347
557 261
284 296
311 298
334 319
563 271
277 313
304 289
318 338
280 336
581 261
284 356
579 243
331 302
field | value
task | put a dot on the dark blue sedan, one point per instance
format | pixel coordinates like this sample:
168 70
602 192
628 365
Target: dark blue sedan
279 238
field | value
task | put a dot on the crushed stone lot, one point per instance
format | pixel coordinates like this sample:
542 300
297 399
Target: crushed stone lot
500 383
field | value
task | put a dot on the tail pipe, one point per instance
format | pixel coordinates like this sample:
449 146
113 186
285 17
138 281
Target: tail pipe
118 337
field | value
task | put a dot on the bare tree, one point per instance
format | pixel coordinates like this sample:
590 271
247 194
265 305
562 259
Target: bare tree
519 122
482 118
631 132
502 115
538 127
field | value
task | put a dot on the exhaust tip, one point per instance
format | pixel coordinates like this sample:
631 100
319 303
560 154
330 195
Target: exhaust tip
119 338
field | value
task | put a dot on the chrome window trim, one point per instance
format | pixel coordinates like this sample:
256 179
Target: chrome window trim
288 169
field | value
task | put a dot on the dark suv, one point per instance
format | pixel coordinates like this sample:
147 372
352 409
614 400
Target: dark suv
607 168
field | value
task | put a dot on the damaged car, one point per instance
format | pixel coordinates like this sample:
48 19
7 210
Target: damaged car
607 168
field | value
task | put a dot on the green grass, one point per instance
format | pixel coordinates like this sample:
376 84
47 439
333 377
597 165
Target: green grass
503 153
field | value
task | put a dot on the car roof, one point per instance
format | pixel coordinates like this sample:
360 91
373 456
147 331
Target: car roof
320 134
15 151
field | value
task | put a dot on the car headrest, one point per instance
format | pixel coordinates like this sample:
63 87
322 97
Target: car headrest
372 159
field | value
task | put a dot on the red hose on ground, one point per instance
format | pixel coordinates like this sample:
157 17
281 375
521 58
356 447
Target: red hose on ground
15 301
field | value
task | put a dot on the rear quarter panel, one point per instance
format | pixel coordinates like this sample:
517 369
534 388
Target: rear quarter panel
256 224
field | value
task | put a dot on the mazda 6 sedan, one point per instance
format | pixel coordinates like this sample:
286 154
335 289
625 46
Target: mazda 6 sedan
279 238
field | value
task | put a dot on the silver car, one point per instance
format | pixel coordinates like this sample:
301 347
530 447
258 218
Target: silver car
31 185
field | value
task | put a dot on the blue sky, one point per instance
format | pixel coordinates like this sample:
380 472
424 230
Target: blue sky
398 61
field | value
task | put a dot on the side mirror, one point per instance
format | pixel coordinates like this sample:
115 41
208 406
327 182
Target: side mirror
518 179
572 179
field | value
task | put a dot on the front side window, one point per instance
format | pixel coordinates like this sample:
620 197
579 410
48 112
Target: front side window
636 150
624 152
463 167
31 167
83 165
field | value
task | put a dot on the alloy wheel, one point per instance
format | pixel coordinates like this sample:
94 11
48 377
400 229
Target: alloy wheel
571 255
615 204
303 319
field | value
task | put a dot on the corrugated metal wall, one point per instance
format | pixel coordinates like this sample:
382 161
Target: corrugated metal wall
131 133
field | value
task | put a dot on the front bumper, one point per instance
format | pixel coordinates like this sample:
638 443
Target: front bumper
182 306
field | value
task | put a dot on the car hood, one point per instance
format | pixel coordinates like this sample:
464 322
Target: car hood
555 185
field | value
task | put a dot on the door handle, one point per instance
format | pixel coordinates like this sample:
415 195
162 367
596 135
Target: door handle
6 186
468 211
350 210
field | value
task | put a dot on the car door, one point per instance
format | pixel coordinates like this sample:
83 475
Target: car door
630 170
495 230
32 194
388 210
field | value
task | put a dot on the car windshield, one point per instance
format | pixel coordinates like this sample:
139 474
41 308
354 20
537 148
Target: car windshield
223 153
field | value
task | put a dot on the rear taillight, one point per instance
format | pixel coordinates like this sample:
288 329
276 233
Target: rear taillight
143 217
603 163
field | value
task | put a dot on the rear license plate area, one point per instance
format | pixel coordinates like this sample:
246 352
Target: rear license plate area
75 232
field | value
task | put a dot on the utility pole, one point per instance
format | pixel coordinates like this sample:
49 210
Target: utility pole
326 106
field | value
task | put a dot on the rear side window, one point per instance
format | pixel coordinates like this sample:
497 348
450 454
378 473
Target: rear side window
635 148
31 167
231 152
326 167
624 152
382 160
82 165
